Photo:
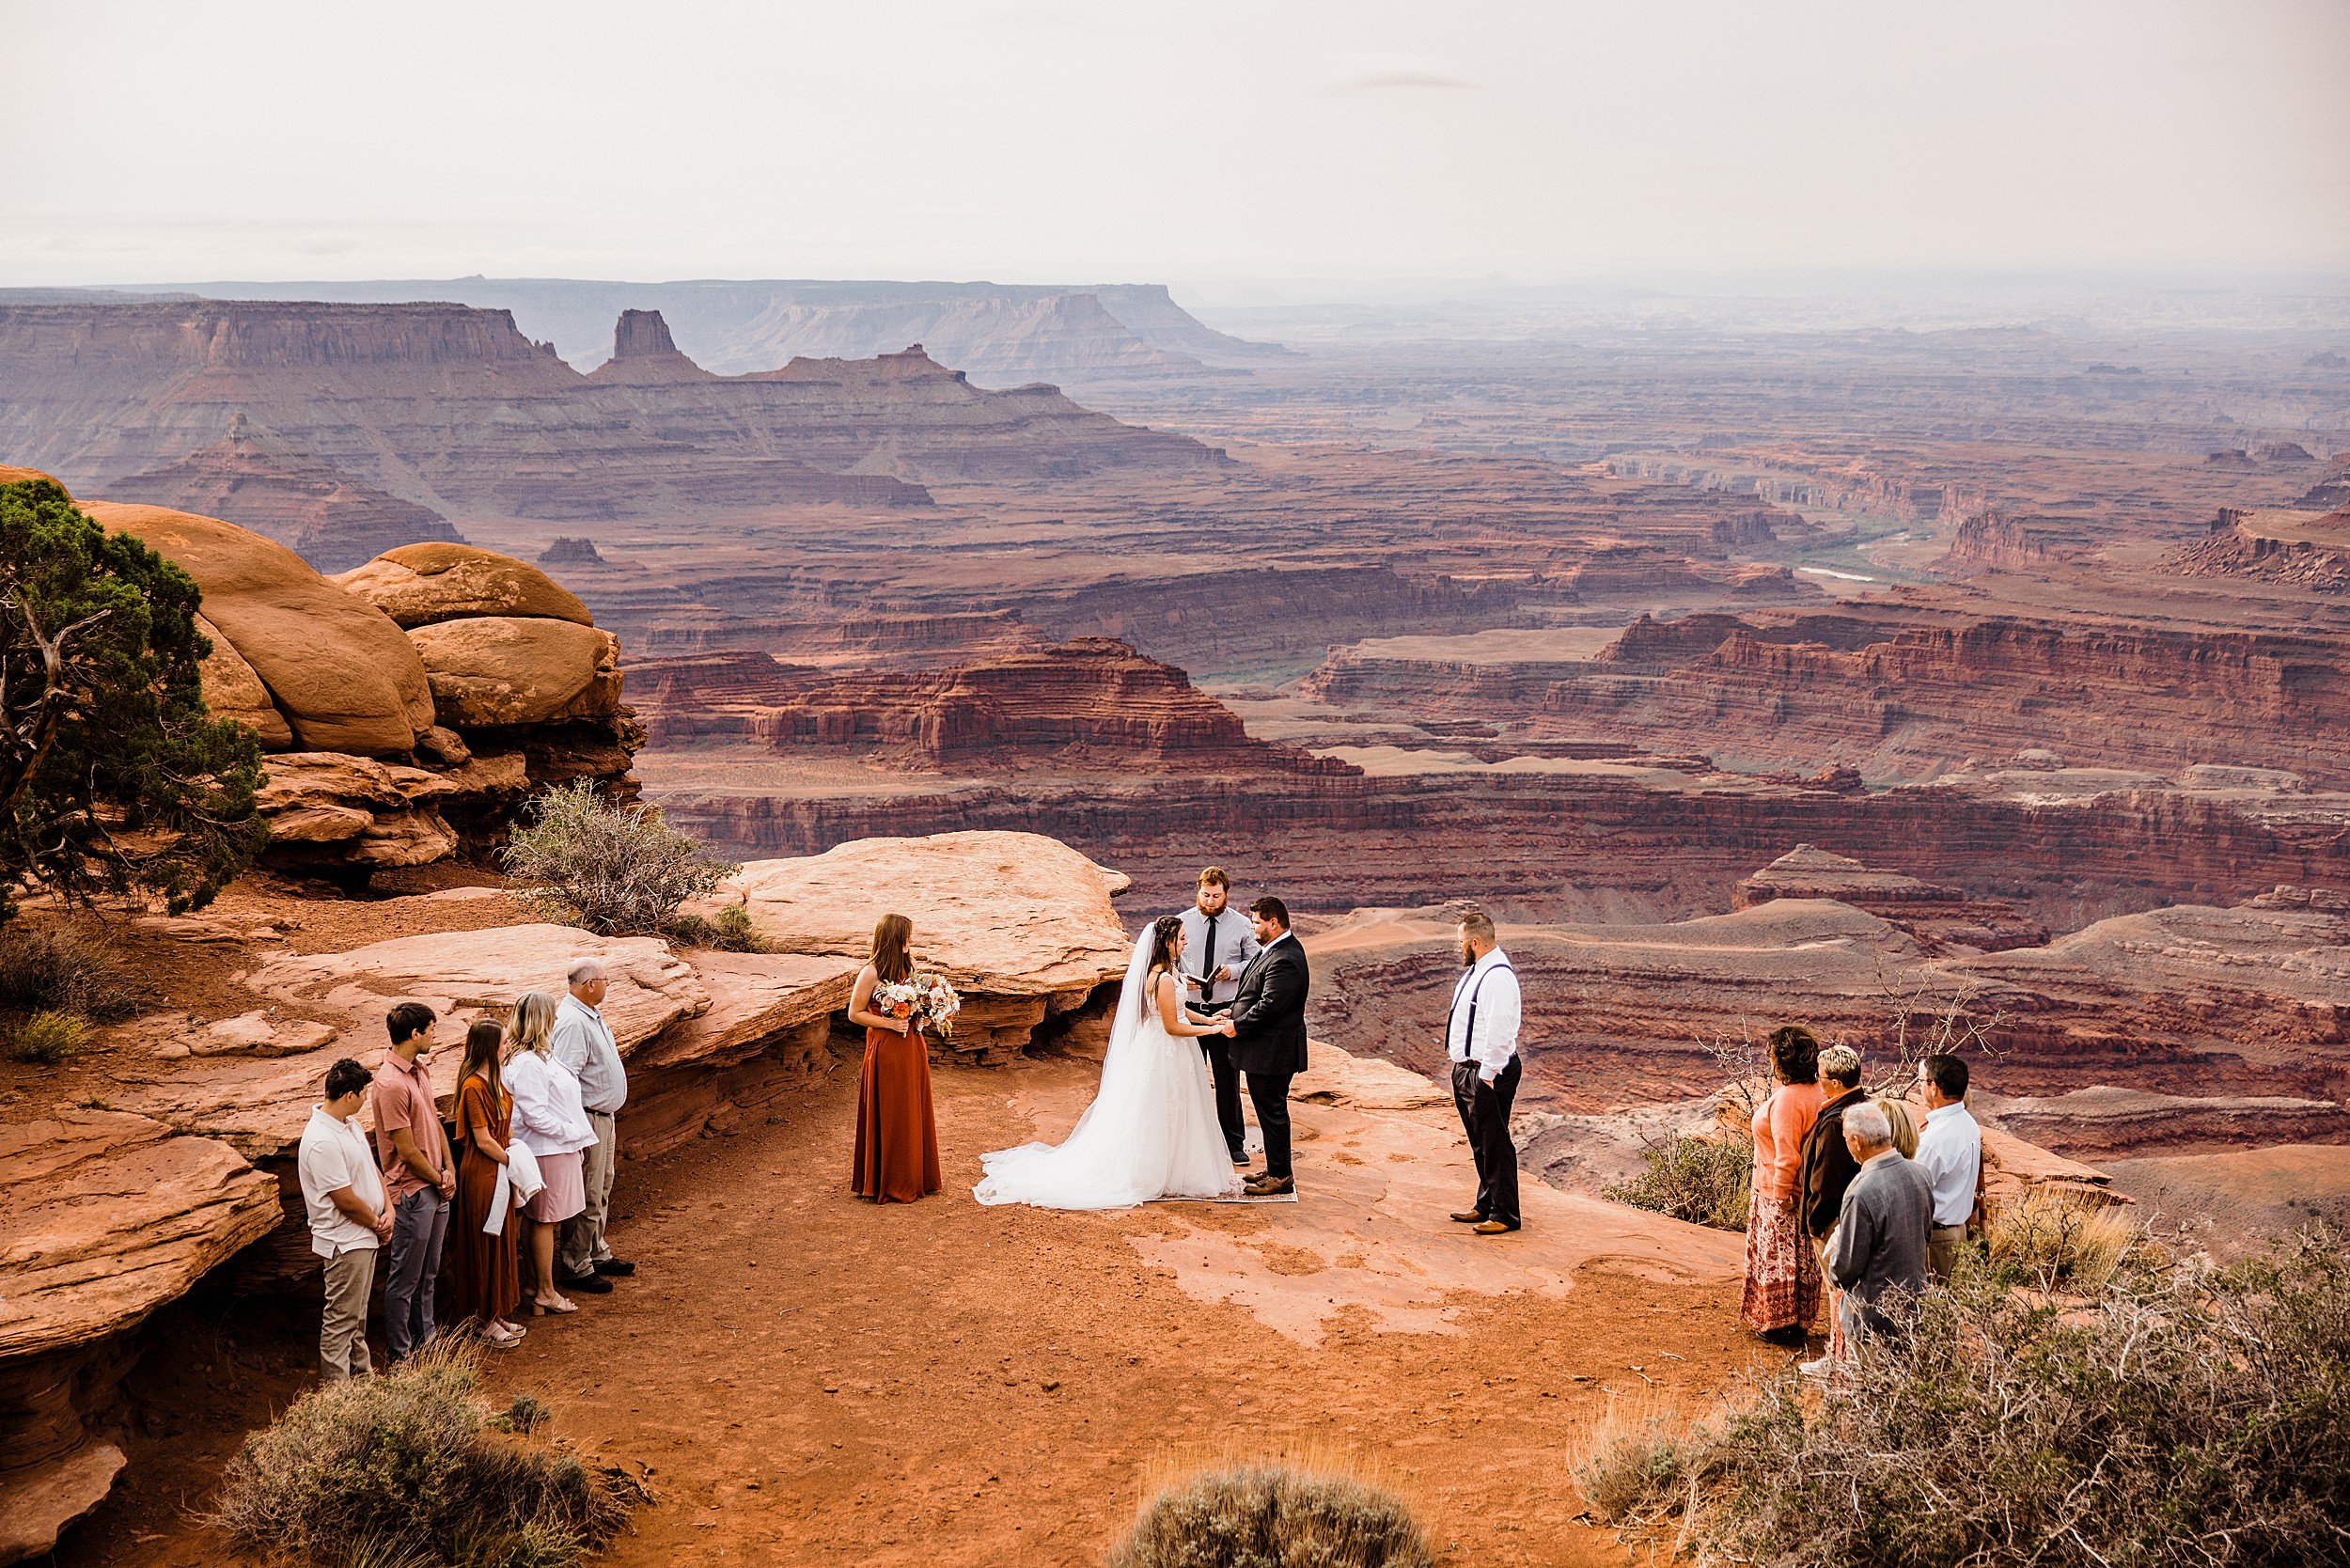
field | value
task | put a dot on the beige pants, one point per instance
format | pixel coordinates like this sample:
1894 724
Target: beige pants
582 1234
343 1327
1942 1245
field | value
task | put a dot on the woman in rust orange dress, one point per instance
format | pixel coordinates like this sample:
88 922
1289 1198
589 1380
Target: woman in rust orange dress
897 1139
487 1269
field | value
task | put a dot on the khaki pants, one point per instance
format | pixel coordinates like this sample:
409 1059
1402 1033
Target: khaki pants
582 1234
343 1327
1942 1245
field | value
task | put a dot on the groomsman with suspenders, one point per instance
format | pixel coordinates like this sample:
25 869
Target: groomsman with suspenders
1481 1040
1220 942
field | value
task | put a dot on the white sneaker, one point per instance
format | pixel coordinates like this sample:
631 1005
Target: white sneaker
1824 1367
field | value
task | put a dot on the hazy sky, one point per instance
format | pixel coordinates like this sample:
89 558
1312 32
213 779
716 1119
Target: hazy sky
1155 139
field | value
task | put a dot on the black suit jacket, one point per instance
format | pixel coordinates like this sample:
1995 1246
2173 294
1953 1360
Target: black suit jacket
1828 1166
1269 1015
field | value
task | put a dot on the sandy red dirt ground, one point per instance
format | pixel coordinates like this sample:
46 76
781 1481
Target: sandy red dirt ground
811 1379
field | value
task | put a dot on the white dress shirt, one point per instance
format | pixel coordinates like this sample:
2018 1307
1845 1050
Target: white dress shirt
1487 1031
335 1155
1949 1147
548 1116
583 1041
1235 944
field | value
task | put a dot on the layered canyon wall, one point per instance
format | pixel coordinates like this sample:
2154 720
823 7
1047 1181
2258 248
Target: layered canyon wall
456 410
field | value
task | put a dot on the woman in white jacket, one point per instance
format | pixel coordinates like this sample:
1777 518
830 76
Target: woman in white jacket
550 1122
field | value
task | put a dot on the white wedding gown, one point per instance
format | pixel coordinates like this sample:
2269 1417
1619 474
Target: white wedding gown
1150 1132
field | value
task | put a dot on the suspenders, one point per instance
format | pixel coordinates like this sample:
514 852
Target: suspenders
1468 1038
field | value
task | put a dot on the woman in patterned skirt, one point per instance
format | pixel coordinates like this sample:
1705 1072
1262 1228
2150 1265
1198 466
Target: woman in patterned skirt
1783 1285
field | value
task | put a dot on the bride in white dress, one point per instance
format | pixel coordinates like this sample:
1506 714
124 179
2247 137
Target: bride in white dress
1151 1130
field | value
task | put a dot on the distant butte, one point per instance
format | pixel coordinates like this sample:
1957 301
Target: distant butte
456 410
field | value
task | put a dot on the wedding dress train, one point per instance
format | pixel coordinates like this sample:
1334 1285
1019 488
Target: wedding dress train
1150 1132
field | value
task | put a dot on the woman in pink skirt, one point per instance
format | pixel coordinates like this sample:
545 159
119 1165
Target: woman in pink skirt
550 1122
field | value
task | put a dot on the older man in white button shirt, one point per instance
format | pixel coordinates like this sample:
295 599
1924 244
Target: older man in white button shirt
1481 1040
1950 1151
583 1041
1218 944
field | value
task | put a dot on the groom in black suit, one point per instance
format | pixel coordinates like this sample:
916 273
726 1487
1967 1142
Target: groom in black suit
1268 1029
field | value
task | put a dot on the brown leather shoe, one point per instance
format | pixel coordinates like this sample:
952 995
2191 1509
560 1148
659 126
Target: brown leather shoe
1269 1187
1469 1217
1494 1227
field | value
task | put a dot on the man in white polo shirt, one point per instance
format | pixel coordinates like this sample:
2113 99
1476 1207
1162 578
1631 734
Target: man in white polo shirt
342 1192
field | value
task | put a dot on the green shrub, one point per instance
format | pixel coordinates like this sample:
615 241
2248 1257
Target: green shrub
615 870
1267 1516
351 1470
46 1039
1702 1180
56 969
2189 1416
730 930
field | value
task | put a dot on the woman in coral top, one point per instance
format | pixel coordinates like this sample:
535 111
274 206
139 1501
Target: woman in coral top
896 1138
1783 1285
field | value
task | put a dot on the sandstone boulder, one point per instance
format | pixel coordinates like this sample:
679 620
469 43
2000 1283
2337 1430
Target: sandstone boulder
1020 923
232 691
497 671
340 672
109 1216
417 585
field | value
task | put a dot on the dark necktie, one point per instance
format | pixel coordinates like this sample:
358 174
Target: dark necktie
1207 953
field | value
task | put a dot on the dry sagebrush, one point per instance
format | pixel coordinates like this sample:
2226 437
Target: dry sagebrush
619 871
1273 1516
2188 1416
54 968
406 1468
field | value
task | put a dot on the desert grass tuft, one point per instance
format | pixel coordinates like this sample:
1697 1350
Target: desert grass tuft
2059 1239
54 968
1308 1510
1636 1463
370 1473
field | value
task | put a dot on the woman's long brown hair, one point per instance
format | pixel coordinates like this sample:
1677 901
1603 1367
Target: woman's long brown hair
892 939
483 1042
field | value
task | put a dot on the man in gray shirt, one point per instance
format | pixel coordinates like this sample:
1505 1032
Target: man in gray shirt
1879 1247
1218 945
582 1042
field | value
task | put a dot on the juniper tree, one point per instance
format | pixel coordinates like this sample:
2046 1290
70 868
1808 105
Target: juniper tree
113 776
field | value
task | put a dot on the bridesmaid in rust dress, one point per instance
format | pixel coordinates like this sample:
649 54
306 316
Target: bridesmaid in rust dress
487 1269
897 1139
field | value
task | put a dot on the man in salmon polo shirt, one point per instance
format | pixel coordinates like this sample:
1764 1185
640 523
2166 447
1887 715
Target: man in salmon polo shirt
419 1174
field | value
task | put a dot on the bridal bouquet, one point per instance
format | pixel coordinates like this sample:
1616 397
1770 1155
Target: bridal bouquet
925 997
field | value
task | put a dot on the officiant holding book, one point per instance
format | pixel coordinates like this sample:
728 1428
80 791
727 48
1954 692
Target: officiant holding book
1219 943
